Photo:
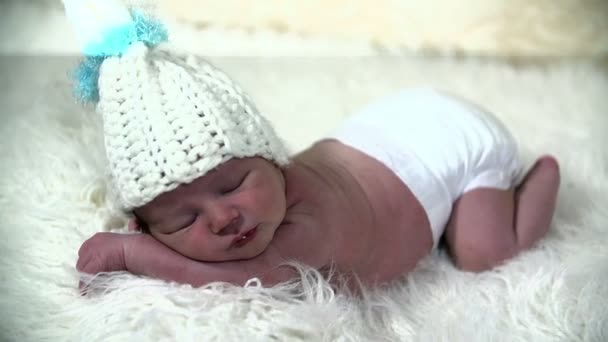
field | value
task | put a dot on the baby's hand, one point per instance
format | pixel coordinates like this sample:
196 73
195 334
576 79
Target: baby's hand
103 252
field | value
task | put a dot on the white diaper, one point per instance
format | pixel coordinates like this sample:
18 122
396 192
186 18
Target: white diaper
438 145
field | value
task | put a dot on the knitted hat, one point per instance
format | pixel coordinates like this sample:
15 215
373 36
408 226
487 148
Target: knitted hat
167 119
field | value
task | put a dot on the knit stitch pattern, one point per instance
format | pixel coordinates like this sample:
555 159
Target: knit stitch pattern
170 119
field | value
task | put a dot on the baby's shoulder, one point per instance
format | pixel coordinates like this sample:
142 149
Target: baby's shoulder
299 241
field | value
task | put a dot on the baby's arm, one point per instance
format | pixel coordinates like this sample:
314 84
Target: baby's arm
143 255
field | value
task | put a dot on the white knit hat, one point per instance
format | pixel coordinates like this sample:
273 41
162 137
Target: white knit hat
170 119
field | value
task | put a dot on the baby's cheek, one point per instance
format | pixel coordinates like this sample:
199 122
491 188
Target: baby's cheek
268 200
251 198
193 234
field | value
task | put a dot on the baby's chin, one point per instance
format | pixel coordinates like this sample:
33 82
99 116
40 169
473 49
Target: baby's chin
256 248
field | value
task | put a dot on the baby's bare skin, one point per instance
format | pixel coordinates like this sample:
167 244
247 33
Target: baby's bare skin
340 208
344 209
370 222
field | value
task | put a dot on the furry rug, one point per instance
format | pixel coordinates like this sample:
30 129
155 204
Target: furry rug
53 196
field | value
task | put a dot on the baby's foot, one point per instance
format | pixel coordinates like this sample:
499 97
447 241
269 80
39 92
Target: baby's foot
535 200
548 161
545 170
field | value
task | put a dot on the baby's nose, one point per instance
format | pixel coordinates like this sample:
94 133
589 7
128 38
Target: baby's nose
226 222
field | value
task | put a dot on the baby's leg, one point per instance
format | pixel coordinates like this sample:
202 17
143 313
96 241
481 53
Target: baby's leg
489 226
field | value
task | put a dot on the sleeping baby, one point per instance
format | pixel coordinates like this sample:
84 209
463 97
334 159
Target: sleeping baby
214 195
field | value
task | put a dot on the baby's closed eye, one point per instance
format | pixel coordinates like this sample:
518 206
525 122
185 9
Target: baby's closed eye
234 184
180 224
190 221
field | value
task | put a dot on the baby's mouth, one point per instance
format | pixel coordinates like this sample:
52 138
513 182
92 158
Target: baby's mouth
244 238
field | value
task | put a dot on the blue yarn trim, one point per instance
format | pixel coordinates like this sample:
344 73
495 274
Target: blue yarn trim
87 76
116 42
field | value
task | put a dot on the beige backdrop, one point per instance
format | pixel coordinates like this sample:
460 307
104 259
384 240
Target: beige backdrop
488 27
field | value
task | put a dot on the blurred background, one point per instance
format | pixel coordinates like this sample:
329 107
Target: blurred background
333 49
505 28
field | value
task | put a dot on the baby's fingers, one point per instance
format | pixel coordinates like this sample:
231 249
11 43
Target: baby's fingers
87 270
82 288
83 284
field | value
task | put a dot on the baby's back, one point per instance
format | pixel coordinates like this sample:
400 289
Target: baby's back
381 230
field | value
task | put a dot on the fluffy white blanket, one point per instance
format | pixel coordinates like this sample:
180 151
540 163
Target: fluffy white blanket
52 197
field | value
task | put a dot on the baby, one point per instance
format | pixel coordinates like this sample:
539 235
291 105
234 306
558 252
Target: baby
216 198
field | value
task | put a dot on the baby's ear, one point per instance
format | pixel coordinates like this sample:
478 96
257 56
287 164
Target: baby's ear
134 225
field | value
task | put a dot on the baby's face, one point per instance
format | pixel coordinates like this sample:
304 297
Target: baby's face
230 213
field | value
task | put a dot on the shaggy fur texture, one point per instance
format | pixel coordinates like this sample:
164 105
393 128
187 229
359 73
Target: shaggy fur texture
53 197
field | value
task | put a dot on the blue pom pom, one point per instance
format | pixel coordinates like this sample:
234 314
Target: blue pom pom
148 29
87 77
115 42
